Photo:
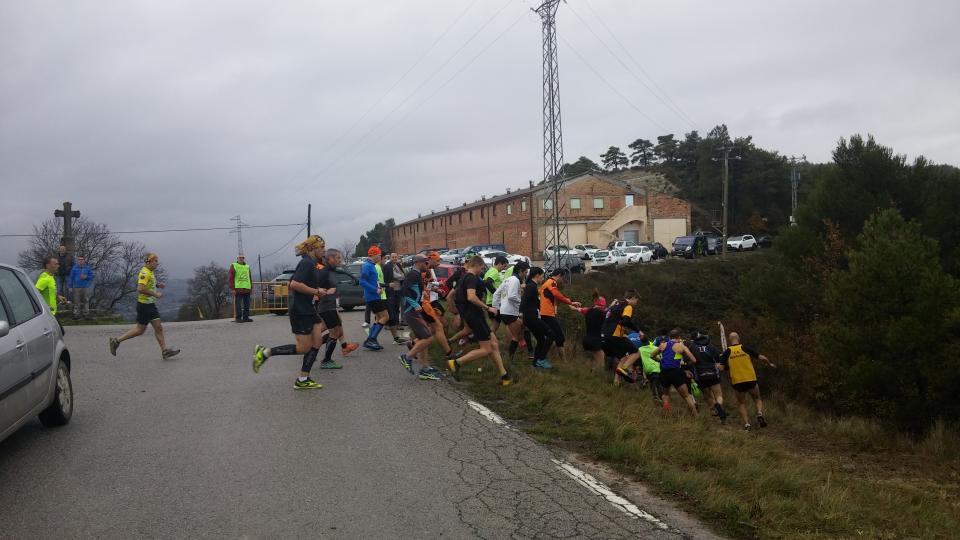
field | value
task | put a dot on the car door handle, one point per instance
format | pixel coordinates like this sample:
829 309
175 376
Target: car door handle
46 331
20 345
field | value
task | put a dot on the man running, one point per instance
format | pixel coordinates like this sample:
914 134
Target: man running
147 313
737 360
47 284
593 318
326 308
492 280
673 354
507 301
651 368
371 280
413 306
473 307
240 283
549 296
393 276
530 311
432 307
617 325
305 322
707 373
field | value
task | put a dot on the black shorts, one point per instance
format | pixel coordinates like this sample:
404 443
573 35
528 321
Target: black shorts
508 319
478 324
331 319
302 325
619 347
554 325
673 377
376 306
146 313
492 316
438 307
706 381
418 326
592 343
744 387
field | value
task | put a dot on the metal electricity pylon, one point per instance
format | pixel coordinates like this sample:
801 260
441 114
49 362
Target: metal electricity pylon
555 226
238 230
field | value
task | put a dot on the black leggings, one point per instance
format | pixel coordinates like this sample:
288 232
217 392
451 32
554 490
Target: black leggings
542 333
554 325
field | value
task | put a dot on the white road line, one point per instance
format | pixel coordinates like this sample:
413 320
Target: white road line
599 488
486 413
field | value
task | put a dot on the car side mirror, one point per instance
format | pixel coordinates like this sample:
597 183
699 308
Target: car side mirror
4 328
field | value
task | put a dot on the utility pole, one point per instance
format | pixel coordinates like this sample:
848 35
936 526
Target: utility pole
259 267
68 213
238 230
556 228
725 149
309 206
794 185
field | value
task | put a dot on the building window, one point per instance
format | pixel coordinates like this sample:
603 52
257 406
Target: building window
481 212
460 218
548 204
494 209
523 206
598 203
628 200
509 209
574 204
471 215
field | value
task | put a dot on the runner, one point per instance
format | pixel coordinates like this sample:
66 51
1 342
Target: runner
432 307
672 355
507 301
549 296
593 329
371 280
393 277
651 368
472 307
492 280
530 311
305 322
420 330
707 373
326 308
47 284
147 313
737 359
617 324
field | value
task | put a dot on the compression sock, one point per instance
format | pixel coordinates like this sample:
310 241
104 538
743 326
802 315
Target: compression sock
513 347
328 354
309 359
375 329
282 349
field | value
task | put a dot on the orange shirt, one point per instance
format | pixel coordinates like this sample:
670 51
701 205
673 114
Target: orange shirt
549 296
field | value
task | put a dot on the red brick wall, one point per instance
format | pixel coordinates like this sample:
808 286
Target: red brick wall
665 206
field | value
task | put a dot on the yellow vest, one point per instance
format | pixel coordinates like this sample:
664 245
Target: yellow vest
740 365
241 276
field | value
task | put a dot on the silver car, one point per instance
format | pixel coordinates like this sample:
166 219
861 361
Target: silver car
34 361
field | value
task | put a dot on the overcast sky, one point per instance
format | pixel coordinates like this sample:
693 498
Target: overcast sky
172 114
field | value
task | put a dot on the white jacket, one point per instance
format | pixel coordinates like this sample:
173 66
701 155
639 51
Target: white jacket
507 297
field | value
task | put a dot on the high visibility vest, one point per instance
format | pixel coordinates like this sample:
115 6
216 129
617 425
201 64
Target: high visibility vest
241 276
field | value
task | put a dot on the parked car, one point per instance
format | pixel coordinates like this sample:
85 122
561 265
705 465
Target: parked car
477 248
444 271
571 263
765 241
638 254
490 256
621 244
586 250
690 246
349 292
562 250
619 256
603 259
276 292
34 361
741 243
714 241
452 256
659 252
428 250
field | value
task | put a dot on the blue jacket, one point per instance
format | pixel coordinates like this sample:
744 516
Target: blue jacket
369 281
75 281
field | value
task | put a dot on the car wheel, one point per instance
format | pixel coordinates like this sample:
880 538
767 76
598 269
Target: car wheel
61 408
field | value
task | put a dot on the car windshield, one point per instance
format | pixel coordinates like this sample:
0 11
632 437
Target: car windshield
441 272
602 253
589 246
735 239
633 249
684 241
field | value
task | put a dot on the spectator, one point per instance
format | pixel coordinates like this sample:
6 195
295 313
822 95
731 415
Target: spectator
48 286
81 279
63 272
239 280
393 277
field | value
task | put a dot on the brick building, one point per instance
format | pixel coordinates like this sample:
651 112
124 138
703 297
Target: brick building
597 209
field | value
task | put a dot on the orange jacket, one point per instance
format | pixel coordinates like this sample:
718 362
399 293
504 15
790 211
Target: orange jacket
549 296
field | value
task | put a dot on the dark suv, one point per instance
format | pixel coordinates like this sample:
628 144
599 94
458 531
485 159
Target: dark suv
690 247
570 263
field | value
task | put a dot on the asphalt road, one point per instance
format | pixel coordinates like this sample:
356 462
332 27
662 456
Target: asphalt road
200 446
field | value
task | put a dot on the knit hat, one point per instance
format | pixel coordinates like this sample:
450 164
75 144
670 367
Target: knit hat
373 251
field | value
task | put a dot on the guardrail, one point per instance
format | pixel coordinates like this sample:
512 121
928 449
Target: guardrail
269 297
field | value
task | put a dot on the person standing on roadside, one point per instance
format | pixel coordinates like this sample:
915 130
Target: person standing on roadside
147 313
241 285
63 270
81 279
47 284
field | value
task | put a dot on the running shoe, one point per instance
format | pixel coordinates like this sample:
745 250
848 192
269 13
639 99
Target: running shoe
169 353
522 344
372 345
259 357
722 414
454 367
507 380
399 341
455 354
308 384
428 375
114 345
348 348
625 374
406 363
747 427
530 357
330 364
761 420
365 325
543 363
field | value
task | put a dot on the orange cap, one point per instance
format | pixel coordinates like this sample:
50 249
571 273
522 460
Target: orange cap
373 251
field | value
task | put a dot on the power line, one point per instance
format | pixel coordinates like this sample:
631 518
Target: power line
679 110
605 81
286 244
189 229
